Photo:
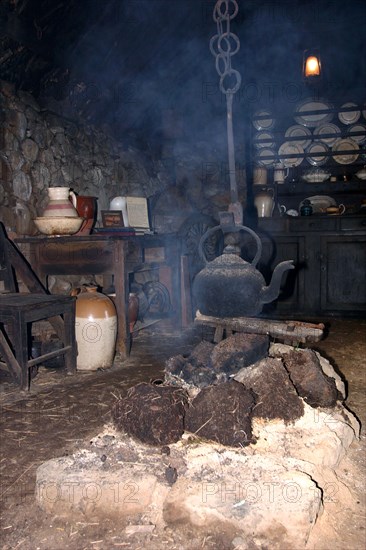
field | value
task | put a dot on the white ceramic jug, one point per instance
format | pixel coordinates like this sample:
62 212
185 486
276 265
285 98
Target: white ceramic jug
59 204
264 203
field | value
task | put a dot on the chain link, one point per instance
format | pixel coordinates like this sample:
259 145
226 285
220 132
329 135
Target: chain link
224 45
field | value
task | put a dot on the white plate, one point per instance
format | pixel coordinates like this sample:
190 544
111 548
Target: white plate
264 136
332 130
266 152
346 144
263 123
319 203
299 132
313 120
349 117
315 154
289 148
357 128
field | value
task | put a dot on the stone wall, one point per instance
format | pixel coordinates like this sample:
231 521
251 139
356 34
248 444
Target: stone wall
42 148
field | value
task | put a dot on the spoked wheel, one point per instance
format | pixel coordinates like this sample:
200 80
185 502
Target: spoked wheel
191 232
158 297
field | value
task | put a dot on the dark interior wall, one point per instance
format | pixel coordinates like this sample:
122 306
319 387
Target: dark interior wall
125 62
41 148
141 71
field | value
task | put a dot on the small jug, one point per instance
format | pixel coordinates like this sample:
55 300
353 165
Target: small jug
259 176
280 173
86 207
59 204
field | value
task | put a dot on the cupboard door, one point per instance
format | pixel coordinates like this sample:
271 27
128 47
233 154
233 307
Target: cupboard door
343 273
276 249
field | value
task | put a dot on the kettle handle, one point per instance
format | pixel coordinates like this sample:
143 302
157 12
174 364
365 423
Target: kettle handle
212 230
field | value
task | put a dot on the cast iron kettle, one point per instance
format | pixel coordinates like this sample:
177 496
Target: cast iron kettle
228 286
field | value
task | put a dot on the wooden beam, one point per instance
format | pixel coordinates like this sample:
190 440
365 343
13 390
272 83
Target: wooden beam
294 331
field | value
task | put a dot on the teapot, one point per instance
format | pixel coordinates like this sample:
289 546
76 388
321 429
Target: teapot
228 286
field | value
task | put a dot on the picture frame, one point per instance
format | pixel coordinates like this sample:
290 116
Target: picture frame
112 218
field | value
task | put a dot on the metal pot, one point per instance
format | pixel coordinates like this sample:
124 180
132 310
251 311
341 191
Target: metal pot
231 287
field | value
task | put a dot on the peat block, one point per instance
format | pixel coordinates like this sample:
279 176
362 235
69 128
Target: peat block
238 351
276 396
222 413
305 371
196 369
152 414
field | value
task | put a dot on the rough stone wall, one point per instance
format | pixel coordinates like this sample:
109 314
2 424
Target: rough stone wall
41 148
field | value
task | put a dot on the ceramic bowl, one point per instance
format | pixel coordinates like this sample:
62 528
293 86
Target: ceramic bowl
316 176
361 174
58 225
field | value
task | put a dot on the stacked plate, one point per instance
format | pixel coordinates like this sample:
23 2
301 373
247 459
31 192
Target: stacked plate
349 117
266 152
313 119
341 148
265 123
264 139
315 153
291 148
301 133
328 133
357 132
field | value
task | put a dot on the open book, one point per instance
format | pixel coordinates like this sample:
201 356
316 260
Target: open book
138 214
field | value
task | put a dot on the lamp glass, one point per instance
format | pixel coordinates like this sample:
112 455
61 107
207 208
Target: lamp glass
312 64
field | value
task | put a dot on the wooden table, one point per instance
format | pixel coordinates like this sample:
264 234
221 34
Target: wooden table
109 256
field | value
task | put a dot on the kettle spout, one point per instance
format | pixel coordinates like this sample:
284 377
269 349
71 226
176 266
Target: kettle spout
271 292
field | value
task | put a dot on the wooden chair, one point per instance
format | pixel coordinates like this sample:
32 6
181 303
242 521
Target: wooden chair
19 310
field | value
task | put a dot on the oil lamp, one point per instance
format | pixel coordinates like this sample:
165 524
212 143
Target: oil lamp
311 64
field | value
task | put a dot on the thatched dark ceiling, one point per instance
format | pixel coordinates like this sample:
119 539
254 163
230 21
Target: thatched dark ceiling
124 61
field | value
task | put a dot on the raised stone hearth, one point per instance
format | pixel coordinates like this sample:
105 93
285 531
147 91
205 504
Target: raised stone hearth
273 485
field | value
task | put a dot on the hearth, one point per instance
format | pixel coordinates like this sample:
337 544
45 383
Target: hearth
244 435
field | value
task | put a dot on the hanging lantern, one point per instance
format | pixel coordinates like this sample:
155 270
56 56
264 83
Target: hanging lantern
311 64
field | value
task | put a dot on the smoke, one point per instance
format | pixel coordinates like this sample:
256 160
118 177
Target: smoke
142 57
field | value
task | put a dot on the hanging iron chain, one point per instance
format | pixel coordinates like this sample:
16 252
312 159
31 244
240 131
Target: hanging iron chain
224 45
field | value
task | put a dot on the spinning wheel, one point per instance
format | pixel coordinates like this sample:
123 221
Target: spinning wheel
191 232
157 296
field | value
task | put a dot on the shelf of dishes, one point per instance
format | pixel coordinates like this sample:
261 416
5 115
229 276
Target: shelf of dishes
280 175
314 138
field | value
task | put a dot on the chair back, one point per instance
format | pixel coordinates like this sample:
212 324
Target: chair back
7 273
14 267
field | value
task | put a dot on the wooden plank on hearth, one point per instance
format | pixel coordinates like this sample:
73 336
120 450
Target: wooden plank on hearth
294 331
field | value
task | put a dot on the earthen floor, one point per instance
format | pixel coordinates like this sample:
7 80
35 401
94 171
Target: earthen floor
61 413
